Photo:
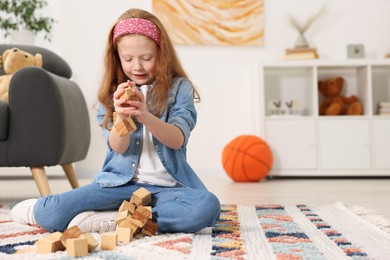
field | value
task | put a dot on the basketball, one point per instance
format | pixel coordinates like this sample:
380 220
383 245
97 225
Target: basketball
247 158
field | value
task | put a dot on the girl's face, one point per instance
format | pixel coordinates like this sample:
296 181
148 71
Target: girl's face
138 55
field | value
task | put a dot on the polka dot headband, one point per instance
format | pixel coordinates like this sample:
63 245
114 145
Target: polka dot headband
137 26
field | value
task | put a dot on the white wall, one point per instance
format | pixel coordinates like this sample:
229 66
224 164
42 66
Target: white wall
225 75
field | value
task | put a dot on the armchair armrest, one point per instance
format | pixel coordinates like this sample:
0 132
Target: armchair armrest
48 119
3 120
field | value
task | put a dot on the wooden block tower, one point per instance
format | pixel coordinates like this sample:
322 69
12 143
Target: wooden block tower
127 125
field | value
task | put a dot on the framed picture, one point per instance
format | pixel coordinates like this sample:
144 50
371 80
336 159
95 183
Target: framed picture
219 22
355 51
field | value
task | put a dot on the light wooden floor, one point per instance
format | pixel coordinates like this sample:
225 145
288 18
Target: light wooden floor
370 193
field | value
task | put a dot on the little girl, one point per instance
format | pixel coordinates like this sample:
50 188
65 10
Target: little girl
139 53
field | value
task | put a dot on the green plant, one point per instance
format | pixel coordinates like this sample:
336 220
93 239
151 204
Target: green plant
22 14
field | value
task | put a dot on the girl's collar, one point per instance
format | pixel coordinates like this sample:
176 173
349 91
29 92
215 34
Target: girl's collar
149 85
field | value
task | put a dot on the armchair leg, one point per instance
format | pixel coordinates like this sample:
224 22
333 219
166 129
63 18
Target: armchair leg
41 181
71 175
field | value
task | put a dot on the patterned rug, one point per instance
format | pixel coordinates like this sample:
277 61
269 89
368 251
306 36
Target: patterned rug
336 231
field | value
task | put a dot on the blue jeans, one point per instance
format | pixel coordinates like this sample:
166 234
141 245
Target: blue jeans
176 209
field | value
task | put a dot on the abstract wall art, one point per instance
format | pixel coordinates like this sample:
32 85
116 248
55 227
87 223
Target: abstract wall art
212 22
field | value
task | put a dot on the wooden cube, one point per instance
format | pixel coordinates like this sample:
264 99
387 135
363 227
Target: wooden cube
140 216
122 215
130 125
151 211
125 234
141 197
144 211
50 243
72 232
137 222
114 115
120 127
77 247
108 240
123 95
125 126
128 224
132 200
92 243
129 93
150 228
126 205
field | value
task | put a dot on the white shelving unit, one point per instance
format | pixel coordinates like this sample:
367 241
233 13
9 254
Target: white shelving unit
307 144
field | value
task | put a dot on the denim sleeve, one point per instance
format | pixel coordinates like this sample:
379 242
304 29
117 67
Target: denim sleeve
101 112
183 113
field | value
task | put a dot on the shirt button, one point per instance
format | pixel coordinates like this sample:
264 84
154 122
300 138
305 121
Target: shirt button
156 146
133 165
137 143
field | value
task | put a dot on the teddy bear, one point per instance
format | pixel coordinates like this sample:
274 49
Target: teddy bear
335 103
13 60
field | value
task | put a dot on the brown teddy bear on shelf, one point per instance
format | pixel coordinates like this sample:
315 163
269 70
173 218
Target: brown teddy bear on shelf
13 60
335 103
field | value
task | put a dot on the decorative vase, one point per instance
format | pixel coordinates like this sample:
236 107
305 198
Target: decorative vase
22 36
301 42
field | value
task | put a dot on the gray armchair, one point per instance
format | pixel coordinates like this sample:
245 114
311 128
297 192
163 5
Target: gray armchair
46 121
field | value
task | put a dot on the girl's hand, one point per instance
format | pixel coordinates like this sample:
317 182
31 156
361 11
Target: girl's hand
138 107
121 104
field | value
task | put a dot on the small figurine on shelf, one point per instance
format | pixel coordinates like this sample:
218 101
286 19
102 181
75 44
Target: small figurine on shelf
293 107
275 107
278 107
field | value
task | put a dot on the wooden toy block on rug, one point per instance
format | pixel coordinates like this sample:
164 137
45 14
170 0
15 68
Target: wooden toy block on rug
50 243
124 234
126 205
141 197
127 125
72 239
134 217
92 243
77 247
150 228
72 232
141 216
108 240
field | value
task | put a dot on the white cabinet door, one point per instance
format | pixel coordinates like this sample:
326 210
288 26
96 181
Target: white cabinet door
381 130
292 143
344 144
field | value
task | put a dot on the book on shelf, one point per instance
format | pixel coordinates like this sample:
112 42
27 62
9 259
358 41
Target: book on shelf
384 104
301 50
384 108
301 54
384 113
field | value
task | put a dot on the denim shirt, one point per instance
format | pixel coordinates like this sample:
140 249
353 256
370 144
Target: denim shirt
119 169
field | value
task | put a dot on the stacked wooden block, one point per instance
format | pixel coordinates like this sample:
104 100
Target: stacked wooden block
134 217
127 125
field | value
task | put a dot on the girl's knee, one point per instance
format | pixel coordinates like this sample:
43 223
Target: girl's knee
213 206
208 210
206 213
51 219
